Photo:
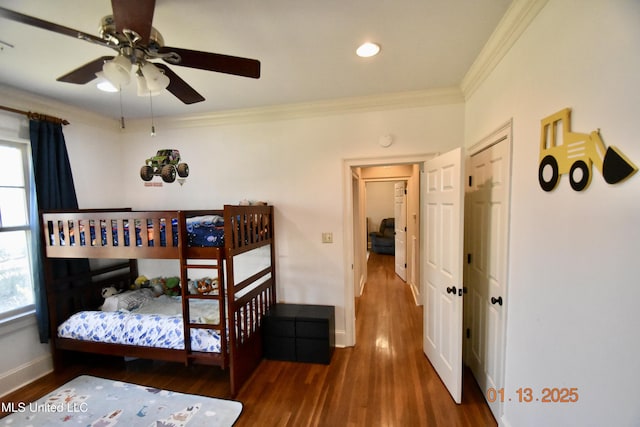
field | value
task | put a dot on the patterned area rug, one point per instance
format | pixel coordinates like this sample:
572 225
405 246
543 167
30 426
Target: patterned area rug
97 402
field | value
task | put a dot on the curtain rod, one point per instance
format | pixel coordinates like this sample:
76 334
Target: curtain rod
36 116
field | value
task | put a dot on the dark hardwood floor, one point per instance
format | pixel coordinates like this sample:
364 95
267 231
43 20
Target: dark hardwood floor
385 380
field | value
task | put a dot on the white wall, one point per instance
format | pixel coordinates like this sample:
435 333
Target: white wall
572 303
296 165
380 202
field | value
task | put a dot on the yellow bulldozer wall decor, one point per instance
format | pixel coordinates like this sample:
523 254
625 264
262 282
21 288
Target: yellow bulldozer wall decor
565 152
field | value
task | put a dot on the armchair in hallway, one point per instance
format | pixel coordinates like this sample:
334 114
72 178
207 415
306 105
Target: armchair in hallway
383 241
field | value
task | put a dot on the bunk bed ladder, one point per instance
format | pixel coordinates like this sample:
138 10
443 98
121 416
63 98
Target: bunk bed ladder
205 261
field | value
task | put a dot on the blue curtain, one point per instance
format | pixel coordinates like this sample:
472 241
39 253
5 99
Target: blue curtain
54 189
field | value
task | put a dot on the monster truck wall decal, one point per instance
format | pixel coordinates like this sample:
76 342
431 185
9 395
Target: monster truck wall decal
165 163
565 152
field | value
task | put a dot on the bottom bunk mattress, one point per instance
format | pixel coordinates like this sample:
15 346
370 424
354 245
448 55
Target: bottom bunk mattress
157 322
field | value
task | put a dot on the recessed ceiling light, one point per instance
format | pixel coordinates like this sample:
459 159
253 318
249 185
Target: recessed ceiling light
368 49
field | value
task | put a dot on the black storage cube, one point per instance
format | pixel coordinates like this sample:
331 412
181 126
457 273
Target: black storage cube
299 332
280 348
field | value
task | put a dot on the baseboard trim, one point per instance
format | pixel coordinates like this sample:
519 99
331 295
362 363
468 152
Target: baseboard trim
416 294
25 374
340 339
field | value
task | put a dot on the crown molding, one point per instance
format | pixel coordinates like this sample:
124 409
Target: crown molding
514 22
391 101
30 102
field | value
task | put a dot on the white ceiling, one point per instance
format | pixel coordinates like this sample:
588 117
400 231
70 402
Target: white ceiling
306 49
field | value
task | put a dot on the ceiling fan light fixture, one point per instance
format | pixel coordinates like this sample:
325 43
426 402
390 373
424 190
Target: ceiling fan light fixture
118 71
155 79
104 84
143 88
368 49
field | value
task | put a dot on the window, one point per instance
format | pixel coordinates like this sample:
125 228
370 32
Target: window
16 283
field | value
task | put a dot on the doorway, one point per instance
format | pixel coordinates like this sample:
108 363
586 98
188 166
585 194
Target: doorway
357 171
386 217
393 191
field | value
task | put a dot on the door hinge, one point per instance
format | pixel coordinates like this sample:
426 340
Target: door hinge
468 333
470 180
468 258
405 229
405 265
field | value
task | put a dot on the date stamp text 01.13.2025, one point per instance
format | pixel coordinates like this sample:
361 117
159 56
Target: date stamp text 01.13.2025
528 395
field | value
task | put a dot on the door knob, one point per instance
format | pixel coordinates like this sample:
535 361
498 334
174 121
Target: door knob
495 300
451 290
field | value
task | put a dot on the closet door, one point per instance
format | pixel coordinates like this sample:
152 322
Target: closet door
443 200
487 230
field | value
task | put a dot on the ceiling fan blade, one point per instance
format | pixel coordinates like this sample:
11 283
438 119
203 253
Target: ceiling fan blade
213 62
134 15
179 88
50 26
86 72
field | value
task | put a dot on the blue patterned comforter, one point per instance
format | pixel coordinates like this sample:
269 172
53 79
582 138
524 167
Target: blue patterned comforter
140 329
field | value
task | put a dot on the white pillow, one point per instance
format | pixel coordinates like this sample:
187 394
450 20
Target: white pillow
128 300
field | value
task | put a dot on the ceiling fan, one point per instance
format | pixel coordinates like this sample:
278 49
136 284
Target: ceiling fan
129 32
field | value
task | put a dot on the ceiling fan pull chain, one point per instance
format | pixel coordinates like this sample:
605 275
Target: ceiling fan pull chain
121 112
153 127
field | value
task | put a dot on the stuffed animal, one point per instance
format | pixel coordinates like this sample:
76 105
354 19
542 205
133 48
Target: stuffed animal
140 282
192 286
109 291
172 286
207 286
157 284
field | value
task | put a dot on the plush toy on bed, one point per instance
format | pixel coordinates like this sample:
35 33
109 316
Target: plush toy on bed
207 286
157 285
140 282
172 286
109 291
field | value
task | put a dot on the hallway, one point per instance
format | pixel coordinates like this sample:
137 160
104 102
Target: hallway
389 326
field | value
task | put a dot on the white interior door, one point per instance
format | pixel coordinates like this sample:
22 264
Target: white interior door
400 214
486 279
443 219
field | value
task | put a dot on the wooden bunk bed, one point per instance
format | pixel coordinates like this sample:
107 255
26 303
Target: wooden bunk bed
244 295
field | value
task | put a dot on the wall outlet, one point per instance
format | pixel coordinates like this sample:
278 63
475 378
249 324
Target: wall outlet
327 237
